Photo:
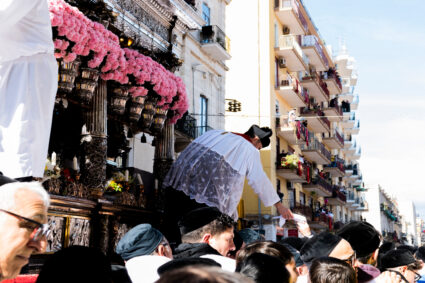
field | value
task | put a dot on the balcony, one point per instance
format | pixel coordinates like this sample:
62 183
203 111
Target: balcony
294 171
358 181
316 87
292 92
350 197
334 140
317 122
364 206
333 80
321 221
334 111
336 168
350 122
289 14
348 141
185 132
348 170
316 152
215 43
313 49
295 133
290 50
320 186
355 129
299 208
338 197
357 154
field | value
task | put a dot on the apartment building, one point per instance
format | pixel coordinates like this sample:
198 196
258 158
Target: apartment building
384 214
287 79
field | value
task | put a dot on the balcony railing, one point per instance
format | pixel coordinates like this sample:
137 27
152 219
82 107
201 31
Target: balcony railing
314 144
351 196
339 137
296 86
311 40
187 126
283 4
337 163
213 34
316 77
323 183
332 75
302 169
334 103
337 193
319 113
290 41
345 106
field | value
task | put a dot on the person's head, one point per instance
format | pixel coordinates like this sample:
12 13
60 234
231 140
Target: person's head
403 262
330 270
250 235
208 225
272 249
186 262
260 137
383 249
76 264
196 274
143 240
364 239
301 267
327 244
263 268
23 229
411 249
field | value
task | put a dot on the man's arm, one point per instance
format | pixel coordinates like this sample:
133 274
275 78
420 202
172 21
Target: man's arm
285 212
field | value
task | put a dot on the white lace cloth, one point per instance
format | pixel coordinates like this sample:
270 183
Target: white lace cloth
212 170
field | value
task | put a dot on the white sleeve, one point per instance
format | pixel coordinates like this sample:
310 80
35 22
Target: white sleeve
259 181
12 11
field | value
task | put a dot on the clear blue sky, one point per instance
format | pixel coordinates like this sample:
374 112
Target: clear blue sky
387 39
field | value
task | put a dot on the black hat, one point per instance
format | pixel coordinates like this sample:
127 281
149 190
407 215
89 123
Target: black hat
362 236
140 240
198 218
5 180
395 258
420 253
264 133
319 246
188 261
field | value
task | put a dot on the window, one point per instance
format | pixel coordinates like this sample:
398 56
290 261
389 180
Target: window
292 199
206 13
302 198
203 115
276 35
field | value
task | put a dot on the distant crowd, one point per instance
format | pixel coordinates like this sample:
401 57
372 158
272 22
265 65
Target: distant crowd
211 250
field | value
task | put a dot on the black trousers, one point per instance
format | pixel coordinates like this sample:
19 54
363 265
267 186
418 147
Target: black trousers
177 204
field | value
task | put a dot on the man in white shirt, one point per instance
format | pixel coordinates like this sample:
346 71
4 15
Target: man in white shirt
211 172
144 249
28 84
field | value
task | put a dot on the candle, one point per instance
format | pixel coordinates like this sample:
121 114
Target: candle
156 183
126 175
139 178
75 163
54 158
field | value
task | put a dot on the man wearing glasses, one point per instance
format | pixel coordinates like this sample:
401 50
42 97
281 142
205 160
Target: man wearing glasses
402 263
23 228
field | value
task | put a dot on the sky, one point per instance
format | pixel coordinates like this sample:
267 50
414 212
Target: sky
387 39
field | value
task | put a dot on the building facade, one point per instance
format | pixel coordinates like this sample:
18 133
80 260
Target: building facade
287 79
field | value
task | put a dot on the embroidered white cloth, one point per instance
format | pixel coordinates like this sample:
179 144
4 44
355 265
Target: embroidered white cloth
28 84
212 170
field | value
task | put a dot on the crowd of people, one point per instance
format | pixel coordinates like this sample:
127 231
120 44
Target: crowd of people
211 250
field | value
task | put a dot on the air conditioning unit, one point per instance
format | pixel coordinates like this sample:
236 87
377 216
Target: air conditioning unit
282 63
286 30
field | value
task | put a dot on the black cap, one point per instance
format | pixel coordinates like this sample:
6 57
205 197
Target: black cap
362 236
198 218
264 133
140 240
296 254
395 258
319 246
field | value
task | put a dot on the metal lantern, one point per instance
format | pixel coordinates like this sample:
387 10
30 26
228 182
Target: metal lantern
119 99
66 76
86 84
136 108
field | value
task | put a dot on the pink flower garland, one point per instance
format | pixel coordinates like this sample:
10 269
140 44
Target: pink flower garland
89 36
